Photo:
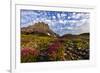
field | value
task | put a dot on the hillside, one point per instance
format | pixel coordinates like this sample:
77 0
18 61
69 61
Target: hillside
40 28
40 44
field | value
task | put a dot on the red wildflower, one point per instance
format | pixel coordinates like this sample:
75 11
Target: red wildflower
28 54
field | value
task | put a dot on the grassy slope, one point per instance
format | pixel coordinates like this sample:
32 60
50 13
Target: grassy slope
74 48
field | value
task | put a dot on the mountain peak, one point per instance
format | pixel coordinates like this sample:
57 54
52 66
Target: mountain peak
38 28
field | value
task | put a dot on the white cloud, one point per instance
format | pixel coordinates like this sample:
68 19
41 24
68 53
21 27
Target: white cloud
64 21
81 22
54 17
68 28
78 24
74 15
68 17
47 20
63 14
84 28
61 21
58 15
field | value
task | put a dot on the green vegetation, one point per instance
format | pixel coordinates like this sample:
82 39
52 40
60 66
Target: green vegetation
39 44
54 49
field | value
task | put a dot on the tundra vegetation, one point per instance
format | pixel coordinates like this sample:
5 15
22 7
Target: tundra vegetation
40 44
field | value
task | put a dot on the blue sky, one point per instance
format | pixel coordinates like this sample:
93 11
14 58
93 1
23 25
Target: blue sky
60 22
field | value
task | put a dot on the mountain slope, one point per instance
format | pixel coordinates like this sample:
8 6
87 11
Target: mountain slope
38 28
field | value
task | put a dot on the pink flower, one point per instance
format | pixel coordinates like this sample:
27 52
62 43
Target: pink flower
29 54
54 47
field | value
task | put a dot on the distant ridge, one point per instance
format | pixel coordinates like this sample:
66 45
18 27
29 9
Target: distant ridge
42 28
74 36
84 34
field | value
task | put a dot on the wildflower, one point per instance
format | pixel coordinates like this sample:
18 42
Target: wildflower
29 54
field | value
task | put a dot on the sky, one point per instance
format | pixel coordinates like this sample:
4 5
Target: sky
60 22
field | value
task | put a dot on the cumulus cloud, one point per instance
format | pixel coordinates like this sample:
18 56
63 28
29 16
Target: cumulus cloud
60 22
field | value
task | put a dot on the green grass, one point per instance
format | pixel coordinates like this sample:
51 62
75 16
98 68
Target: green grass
70 49
35 41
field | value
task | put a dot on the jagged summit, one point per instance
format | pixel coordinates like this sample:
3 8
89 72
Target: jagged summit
38 28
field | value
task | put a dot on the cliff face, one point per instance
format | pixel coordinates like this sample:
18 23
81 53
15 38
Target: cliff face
38 28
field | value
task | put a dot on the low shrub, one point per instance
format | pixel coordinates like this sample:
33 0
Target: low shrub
29 54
